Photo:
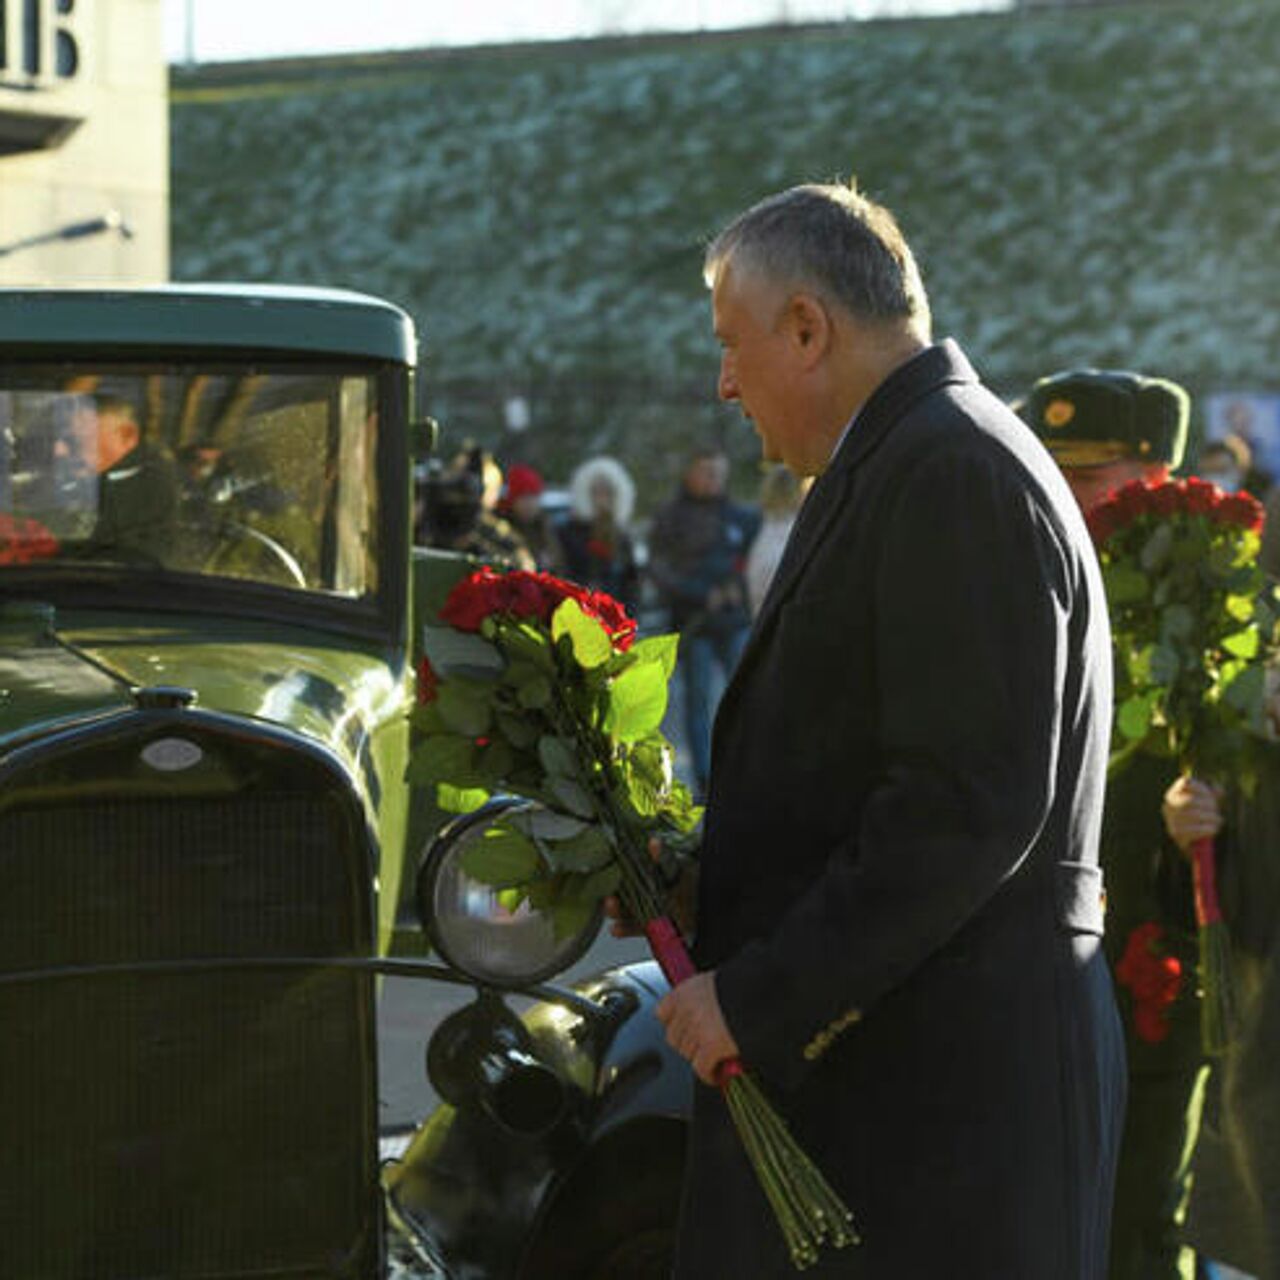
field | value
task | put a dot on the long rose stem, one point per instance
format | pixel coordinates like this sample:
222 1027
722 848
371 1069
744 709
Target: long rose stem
1205 879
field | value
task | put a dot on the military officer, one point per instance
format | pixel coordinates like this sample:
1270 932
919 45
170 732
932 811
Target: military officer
1106 428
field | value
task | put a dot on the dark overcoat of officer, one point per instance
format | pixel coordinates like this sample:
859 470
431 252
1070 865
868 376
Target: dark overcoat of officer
1106 428
900 894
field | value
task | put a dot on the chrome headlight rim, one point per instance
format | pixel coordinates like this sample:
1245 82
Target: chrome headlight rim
436 862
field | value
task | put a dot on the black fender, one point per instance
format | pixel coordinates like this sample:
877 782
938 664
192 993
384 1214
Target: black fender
486 1200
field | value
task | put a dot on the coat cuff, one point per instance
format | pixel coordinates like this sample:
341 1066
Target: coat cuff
773 1019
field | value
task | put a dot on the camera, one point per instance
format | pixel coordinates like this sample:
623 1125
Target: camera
447 497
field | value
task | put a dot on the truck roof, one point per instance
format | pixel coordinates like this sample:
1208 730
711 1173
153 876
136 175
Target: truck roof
272 319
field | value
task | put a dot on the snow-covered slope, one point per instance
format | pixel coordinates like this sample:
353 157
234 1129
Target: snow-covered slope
1081 186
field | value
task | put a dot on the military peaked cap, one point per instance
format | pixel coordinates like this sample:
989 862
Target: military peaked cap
1090 417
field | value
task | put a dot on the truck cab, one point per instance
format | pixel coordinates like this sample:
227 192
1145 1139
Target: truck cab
210 848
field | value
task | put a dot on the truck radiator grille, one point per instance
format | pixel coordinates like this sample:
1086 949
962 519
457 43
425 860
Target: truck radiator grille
184 1124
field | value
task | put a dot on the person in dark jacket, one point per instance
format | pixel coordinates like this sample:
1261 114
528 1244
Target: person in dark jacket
137 486
521 508
596 536
1106 428
899 909
698 548
1234 1214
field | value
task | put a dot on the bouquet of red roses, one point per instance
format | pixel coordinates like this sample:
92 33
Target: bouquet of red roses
539 687
1194 624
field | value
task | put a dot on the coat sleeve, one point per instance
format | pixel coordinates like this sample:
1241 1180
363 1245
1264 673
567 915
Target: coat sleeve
971 617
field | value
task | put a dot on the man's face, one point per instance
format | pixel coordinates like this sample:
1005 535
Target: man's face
100 438
1091 485
527 506
757 363
707 477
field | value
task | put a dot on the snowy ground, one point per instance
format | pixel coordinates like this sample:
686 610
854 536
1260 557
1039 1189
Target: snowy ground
1089 186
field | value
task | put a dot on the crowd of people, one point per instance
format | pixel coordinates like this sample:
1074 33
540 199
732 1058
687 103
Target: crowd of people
918 883
701 565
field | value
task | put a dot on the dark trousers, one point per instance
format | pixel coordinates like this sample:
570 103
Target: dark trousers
1154 1178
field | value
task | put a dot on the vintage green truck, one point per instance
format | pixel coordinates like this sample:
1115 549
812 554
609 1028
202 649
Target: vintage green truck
209 851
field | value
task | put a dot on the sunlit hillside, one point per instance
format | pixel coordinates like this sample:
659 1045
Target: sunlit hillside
1081 186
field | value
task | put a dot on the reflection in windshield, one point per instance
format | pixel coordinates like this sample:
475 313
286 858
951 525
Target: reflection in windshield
268 475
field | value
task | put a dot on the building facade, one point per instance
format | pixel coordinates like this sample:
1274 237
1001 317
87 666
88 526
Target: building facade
84 142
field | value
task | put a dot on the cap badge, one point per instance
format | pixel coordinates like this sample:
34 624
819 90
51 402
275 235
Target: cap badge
1058 413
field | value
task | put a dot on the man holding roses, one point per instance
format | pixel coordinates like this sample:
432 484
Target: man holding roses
899 909
1107 428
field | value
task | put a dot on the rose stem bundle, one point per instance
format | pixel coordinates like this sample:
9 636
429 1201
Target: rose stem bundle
1218 1008
808 1211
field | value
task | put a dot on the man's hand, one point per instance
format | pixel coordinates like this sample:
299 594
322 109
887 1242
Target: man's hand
681 876
1192 811
696 1028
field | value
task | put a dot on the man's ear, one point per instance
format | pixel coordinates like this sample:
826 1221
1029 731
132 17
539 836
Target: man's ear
809 326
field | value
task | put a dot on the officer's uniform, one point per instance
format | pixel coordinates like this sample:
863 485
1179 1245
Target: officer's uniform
1091 418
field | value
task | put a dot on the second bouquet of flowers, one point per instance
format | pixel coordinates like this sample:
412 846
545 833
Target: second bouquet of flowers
540 688
1195 628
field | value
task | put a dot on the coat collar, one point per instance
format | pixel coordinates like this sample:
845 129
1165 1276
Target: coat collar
934 367
926 371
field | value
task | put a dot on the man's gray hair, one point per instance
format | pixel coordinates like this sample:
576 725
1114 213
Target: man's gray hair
832 241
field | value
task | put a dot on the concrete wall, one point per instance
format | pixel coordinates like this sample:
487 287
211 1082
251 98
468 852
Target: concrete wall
102 65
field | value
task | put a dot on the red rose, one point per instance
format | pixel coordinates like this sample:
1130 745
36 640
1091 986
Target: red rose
1165 499
1151 1025
535 596
1201 496
428 682
1131 501
1102 522
1153 978
472 600
620 626
525 597
23 541
1242 509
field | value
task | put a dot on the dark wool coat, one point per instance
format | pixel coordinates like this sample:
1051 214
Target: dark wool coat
899 889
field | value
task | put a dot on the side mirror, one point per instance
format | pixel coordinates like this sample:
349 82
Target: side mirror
425 436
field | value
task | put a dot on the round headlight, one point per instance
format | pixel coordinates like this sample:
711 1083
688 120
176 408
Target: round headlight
469 926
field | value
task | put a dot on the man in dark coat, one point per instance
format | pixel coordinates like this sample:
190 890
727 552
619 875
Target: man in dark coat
698 547
899 911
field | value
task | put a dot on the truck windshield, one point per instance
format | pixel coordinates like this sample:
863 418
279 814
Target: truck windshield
267 473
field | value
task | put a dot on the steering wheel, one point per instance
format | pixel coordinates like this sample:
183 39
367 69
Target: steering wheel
241 551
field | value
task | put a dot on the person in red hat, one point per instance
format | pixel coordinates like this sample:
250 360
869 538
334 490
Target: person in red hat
521 506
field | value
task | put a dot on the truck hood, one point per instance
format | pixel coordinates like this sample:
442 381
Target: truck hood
331 690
